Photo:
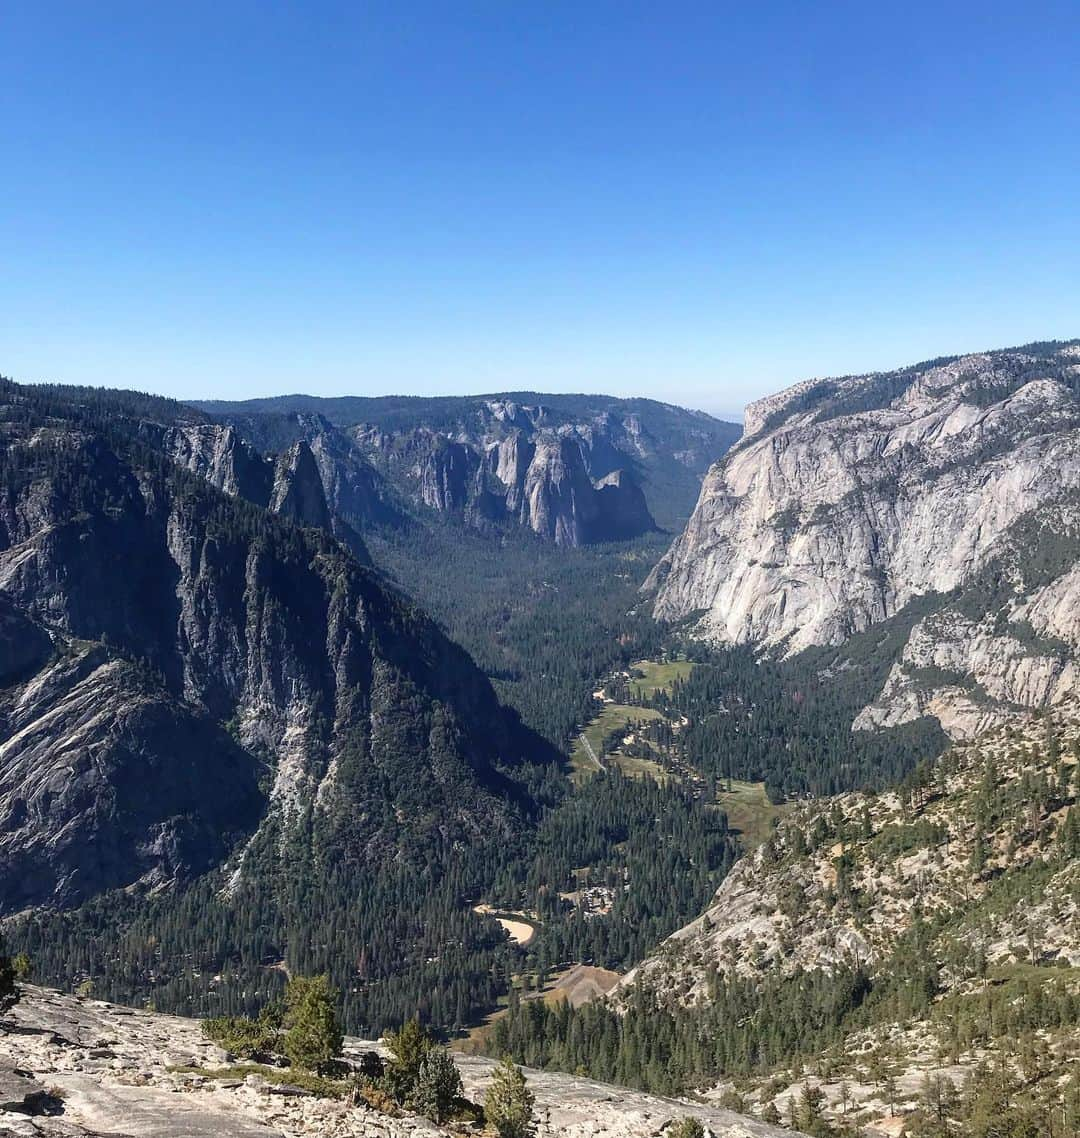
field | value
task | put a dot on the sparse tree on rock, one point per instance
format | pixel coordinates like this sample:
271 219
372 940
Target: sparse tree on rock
686 1128
508 1105
409 1047
9 989
312 1033
438 1085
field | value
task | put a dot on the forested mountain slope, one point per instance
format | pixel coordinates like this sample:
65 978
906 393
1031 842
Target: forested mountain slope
846 878
515 520
231 748
947 490
191 682
910 956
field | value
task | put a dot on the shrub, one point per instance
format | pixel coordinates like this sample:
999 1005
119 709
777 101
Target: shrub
376 1097
686 1128
246 1038
371 1066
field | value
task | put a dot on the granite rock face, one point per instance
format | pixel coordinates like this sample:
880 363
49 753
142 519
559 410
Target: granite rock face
502 460
293 484
536 478
219 455
118 1071
107 779
849 499
179 667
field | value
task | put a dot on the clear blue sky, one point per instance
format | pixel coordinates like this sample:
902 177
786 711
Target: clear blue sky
698 202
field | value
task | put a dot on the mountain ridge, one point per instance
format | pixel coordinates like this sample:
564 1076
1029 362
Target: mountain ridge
274 638
473 455
850 499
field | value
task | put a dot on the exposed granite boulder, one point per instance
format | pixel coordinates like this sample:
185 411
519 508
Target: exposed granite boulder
19 1092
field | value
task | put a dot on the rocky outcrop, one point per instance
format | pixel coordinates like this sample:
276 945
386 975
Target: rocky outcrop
538 479
294 484
849 499
470 456
558 499
114 1070
354 490
297 492
218 454
843 879
188 664
971 675
446 473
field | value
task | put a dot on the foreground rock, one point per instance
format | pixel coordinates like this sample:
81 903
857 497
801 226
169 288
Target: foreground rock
74 1067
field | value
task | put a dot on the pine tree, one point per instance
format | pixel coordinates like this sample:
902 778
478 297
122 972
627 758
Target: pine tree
811 1102
312 1034
9 990
978 855
438 1084
508 1104
409 1047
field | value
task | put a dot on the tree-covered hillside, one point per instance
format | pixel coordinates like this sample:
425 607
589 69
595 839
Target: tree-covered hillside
908 955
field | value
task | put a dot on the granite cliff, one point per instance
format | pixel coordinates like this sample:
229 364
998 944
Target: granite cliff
944 494
575 470
181 669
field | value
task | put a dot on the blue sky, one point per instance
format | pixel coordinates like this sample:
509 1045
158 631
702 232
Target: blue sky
697 202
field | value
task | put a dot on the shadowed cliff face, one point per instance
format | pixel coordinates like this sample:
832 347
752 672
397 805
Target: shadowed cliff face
143 610
106 778
24 647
